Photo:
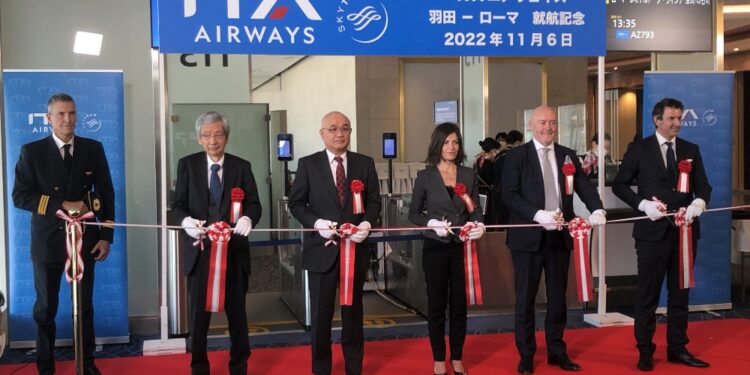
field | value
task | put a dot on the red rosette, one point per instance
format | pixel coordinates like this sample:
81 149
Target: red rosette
237 194
569 169
683 180
358 206
459 189
235 207
357 186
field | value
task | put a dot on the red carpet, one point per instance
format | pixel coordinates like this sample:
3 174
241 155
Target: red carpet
723 343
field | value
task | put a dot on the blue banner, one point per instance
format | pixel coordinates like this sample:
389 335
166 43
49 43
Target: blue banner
383 27
99 105
706 121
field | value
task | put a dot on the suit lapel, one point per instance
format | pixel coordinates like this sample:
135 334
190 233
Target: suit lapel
80 154
228 183
560 160
202 181
55 160
532 159
682 153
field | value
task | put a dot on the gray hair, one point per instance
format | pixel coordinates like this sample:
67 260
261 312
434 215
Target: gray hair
59 97
209 118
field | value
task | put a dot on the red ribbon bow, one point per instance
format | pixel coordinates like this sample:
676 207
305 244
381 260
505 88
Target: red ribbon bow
219 233
235 208
357 187
687 277
74 229
471 266
347 252
460 190
579 229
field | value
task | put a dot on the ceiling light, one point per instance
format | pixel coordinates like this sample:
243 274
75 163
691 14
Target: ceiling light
736 49
88 43
729 9
615 68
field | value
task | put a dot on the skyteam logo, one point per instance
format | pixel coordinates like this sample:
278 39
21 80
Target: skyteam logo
91 123
709 117
366 25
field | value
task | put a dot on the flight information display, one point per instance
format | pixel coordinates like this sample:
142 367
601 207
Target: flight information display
659 25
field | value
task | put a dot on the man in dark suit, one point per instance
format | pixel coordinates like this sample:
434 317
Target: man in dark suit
653 163
321 196
203 196
61 172
534 192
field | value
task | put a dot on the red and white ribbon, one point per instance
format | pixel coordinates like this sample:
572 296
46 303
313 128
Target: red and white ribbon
347 252
357 188
235 208
460 190
579 230
569 170
687 278
219 233
683 180
74 227
471 266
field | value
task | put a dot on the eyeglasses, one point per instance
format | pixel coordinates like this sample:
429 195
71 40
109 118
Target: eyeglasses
345 130
207 136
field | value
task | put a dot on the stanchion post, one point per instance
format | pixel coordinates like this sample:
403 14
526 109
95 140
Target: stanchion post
73 239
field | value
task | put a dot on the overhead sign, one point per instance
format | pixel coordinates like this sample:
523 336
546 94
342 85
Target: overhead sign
383 27
653 26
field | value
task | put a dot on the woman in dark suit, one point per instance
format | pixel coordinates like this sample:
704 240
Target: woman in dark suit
437 202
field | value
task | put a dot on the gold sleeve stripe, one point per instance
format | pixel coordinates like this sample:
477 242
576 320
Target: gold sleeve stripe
43 201
108 226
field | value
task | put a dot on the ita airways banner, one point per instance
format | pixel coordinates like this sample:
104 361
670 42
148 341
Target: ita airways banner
706 121
99 105
382 27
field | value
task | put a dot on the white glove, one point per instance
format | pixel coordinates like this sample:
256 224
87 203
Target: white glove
439 226
654 210
695 209
477 232
363 230
324 228
193 227
243 226
551 220
599 217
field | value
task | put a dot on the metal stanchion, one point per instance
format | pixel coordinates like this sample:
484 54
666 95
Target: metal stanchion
72 238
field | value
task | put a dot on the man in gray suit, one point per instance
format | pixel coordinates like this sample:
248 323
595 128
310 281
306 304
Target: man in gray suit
321 195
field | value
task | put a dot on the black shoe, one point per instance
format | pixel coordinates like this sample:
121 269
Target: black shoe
687 359
526 366
564 362
91 370
645 362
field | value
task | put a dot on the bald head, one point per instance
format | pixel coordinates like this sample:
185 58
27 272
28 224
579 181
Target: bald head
543 124
335 131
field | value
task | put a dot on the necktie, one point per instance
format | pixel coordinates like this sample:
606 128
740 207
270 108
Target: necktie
551 202
67 158
340 178
671 164
215 187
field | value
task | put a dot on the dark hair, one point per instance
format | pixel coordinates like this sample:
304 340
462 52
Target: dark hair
59 97
658 110
595 138
514 136
501 136
435 150
489 144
